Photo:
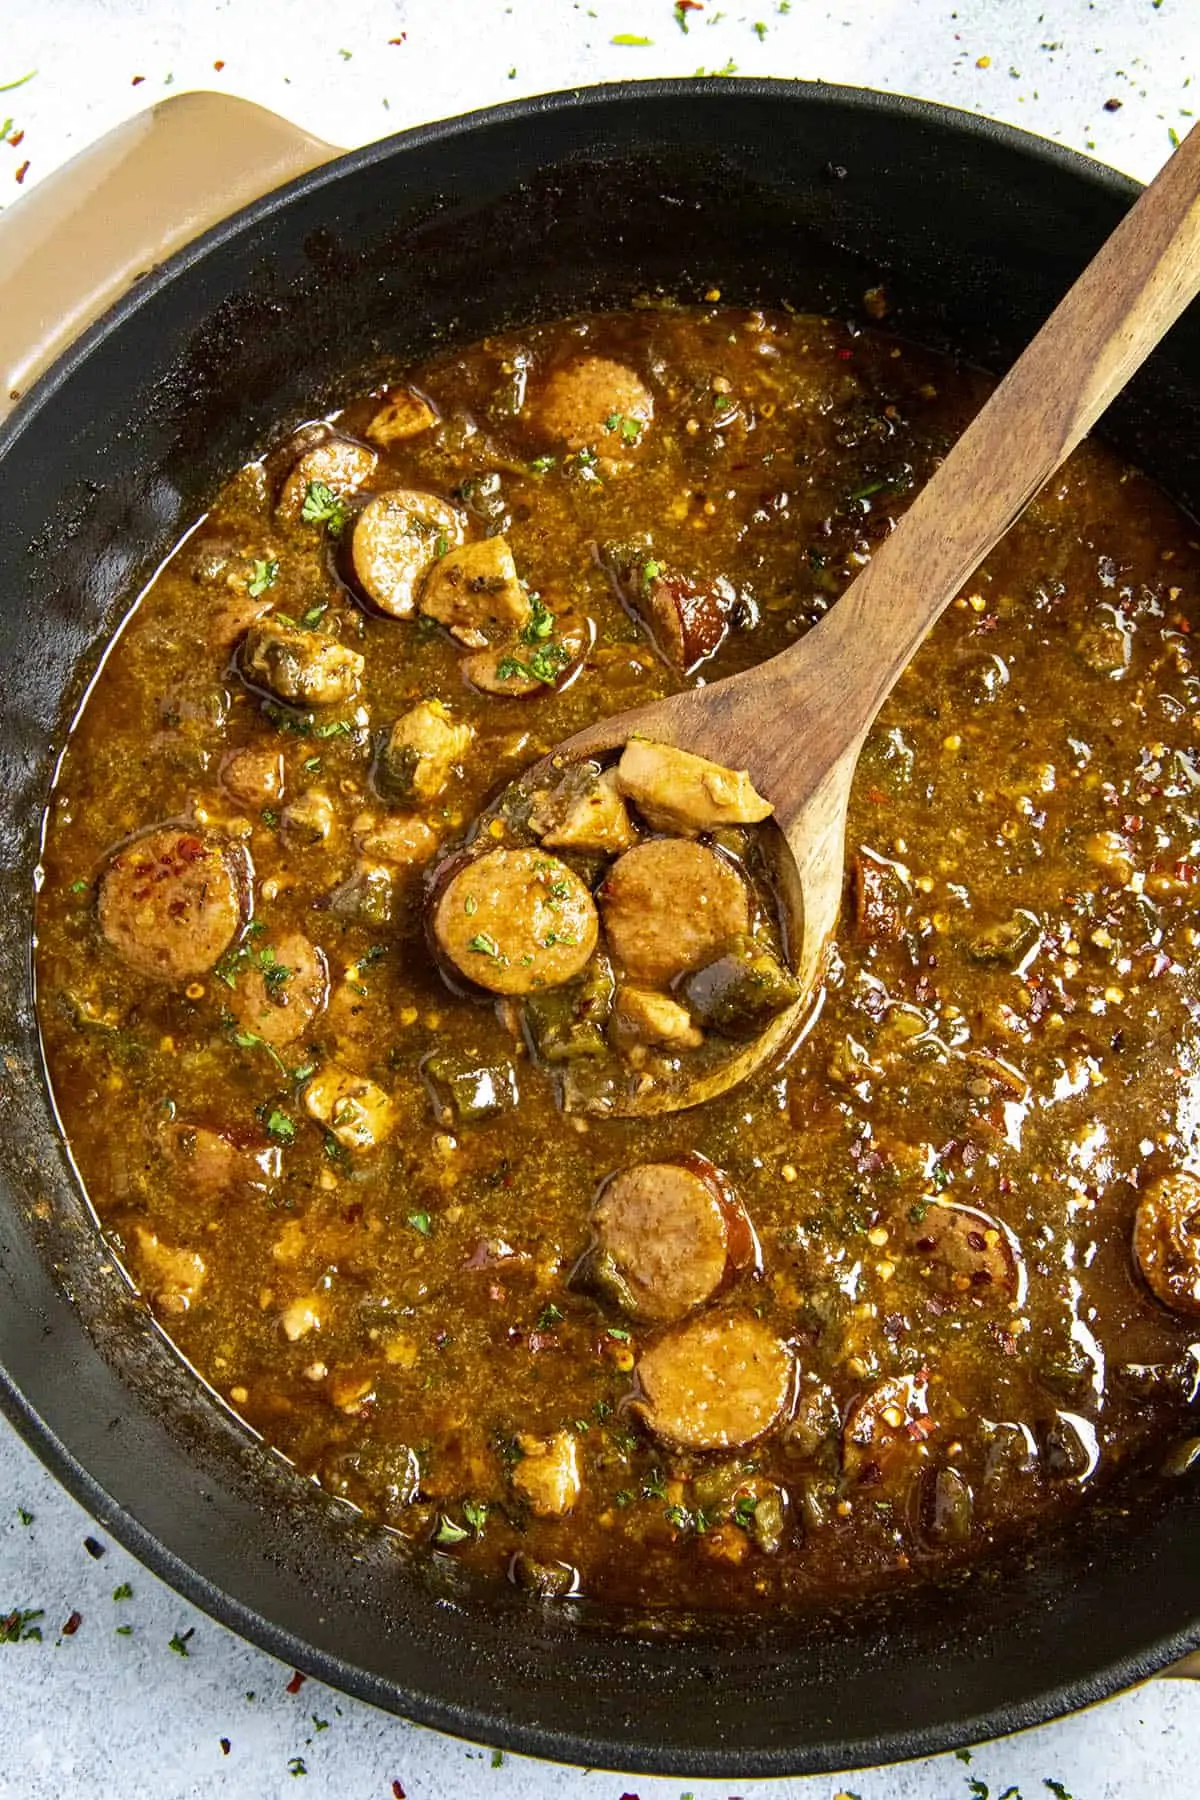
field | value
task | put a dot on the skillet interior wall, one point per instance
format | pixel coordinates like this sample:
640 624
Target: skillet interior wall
775 195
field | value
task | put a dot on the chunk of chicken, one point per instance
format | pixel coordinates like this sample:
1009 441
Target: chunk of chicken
354 1110
584 811
404 840
170 1278
305 668
421 750
642 1016
309 819
404 414
338 464
475 594
676 791
547 1476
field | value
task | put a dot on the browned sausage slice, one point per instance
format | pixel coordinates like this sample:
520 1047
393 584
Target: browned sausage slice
670 906
965 1254
253 777
209 1165
172 902
669 1236
1166 1240
516 669
594 403
516 920
281 990
338 464
397 537
716 1382
884 1429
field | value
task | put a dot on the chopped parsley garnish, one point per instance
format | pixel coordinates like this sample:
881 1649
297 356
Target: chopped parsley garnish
20 1626
744 1511
631 39
448 1532
312 765
323 507
24 1515
442 545
337 1153
549 1315
760 30
124 1592
280 1127
470 906
264 577
297 1764
618 1332
312 618
650 571
475 1512
269 816
542 464
484 944
179 1643
420 1221
79 887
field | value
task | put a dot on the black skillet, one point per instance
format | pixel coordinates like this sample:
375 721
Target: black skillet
775 193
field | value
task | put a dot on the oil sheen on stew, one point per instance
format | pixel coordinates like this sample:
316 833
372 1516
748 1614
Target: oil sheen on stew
929 1280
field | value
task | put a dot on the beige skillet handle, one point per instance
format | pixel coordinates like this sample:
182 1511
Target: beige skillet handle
72 246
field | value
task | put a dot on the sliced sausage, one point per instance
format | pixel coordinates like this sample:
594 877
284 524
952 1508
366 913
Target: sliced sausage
253 777
687 619
676 791
305 668
670 906
547 1476
516 669
716 1382
354 1110
669 1235
1166 1240
397 537
404 414
513 921
965 1254
594 403
172 902
421 750
583 811
883 1431
209 1165
338 464
475 594
644 1016
281 990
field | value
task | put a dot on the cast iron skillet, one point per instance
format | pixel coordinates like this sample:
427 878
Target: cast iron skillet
776 193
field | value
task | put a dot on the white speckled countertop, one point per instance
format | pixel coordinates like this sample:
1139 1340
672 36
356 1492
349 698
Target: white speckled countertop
147 1697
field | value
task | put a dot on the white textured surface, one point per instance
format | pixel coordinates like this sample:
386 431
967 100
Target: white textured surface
121 1715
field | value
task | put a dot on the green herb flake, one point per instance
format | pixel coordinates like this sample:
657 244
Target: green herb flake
624 1497
549 1315
470 906
475 1512
20 1626
179 1643
448 1532
631 40
312 765
420 1221
8 87
541 465
618 1332
497 1759
312 618
79 887
1057 1789
280 1127
269 816
297 1764
24 1515
651 571
320 1724
264 577
760 30
323 507
123 1631
124 1592
483 944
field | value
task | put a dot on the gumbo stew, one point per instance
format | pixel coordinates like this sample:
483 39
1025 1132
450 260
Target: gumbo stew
322 1007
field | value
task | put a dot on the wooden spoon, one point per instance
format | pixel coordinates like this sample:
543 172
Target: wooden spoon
797 722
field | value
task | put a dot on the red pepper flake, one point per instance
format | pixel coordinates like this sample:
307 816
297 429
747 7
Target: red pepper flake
17 137
72 1625
296 1683
226 1746
876 796
22 171
845 355
397 1791
137 81
218 66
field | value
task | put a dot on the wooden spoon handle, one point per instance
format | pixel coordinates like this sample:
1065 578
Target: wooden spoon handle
1126 299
